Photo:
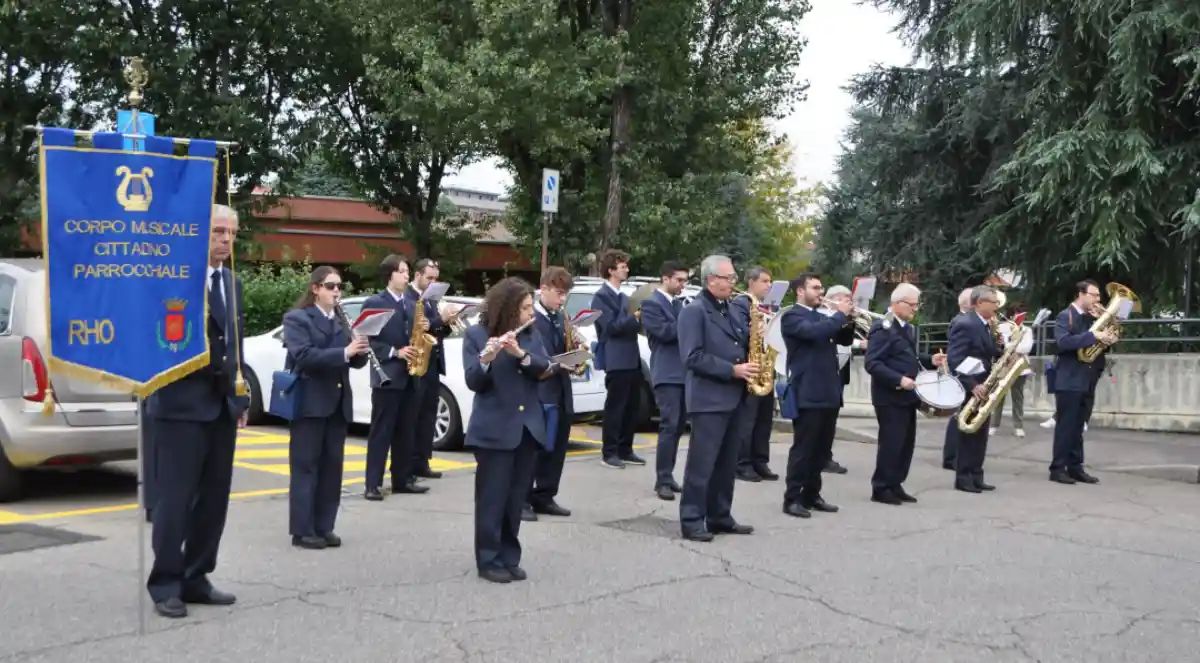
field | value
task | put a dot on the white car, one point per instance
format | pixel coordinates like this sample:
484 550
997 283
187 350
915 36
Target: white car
580 298
265 354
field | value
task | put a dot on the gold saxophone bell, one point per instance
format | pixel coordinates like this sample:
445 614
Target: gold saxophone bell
760 353
977 412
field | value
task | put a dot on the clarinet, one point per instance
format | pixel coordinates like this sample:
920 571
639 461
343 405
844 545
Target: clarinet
378 367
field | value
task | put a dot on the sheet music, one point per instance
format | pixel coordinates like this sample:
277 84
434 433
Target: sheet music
863 291
776 294
371 321
571 359
435 291
969 366
1125 309
586 317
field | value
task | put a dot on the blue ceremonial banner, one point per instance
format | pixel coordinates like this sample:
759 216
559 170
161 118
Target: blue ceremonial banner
126 239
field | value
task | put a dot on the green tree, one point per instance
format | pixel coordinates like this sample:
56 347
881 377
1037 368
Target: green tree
316 178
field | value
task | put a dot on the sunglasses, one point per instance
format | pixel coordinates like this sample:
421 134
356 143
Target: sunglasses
331 286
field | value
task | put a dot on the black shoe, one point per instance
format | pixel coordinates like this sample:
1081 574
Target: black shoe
766 473
332 540
427 473
821 505
675 488
527 514
173 608
411 486
613 463
1082 477
1062 477
834 467
373 494
904 497
794 509
703 537
665 493
886 497
984 486
632 459
213 596
517 573
496 575
748 475
947 465
551 508
310 542
966 487
735 528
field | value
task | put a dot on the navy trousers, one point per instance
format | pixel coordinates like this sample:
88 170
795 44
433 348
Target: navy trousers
315 454
393 424
672 413
501 486
708 477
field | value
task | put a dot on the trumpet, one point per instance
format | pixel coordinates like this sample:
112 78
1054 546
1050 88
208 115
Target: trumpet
494 343
375 364
862 319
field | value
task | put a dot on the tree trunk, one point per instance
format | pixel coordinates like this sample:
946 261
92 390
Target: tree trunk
618 20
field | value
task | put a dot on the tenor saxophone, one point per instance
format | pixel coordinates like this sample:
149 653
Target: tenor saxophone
977 412
760 354
421 343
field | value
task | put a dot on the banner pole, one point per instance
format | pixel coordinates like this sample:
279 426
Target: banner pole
141 518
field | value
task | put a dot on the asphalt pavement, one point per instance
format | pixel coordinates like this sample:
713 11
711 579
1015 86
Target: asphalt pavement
1034 571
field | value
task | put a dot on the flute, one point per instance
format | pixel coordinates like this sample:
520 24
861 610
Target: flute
378 367
492 343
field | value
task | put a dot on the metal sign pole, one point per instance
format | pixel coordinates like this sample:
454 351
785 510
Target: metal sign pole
545 237
141 518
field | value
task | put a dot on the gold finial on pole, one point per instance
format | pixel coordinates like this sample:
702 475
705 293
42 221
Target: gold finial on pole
137 77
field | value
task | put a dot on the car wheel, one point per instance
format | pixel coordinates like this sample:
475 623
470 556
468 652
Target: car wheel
646 408
256 414
10 480
447 425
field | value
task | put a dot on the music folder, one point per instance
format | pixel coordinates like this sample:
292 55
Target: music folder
586 317
435 291
572 359
371 321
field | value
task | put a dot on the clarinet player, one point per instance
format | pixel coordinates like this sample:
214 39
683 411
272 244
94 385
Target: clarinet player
321 352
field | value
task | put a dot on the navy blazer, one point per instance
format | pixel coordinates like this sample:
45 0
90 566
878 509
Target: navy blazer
506 393
616 332
812 338
437 328
659 321
891 355
1071 335
710 345
971 337
556 388
395 334
316 348
199 396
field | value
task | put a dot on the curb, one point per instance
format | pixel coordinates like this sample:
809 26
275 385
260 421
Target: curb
1181 473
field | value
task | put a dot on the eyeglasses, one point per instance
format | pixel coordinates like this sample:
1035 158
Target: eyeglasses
331 286
912 304
732 278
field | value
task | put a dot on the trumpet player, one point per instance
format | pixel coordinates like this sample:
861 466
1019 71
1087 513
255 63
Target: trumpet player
321 352
393 405
1075 382
815 388
660 312
758 414
554 392
950 444
971 337
860 345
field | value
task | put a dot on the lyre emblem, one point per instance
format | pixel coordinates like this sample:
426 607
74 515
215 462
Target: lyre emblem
138 201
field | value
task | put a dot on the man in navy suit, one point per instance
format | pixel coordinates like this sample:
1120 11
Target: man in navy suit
713 345
971 337
1075 382
834 293
195 421
758 416
618 356
815 386
555 393
893 363
950 444
426 273
394 405
660 312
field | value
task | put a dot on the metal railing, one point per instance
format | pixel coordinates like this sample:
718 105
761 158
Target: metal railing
1138 335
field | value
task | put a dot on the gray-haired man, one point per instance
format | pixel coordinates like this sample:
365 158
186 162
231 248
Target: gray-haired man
950 444
971 338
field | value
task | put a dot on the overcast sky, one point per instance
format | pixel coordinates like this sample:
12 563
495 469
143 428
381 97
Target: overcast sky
844 38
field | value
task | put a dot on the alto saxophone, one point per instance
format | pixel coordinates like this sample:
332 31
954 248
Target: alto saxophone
977 412
760 354
421 343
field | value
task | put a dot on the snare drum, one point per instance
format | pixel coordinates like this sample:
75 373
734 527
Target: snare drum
940 393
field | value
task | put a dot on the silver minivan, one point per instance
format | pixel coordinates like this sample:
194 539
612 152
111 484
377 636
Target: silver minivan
91 424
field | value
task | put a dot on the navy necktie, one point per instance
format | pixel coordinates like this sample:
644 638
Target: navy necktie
216 303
